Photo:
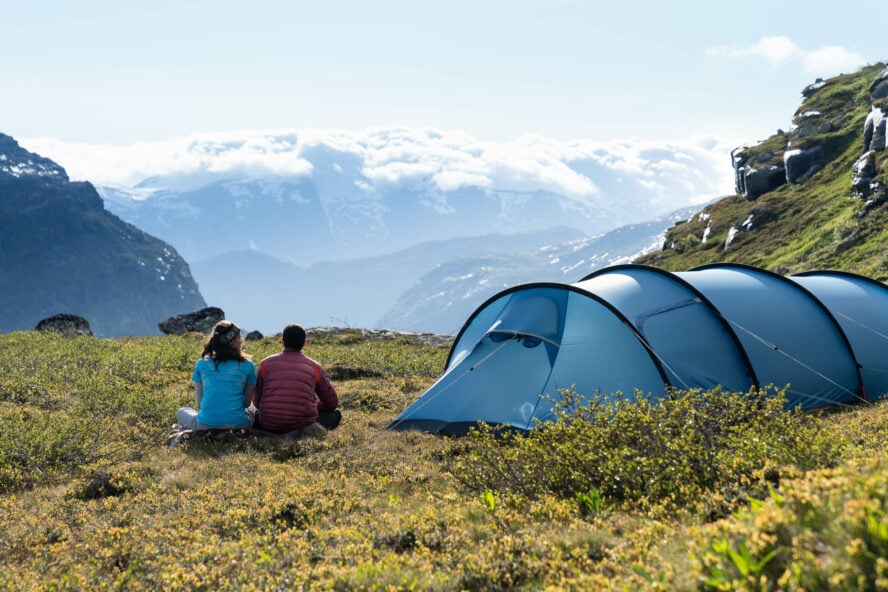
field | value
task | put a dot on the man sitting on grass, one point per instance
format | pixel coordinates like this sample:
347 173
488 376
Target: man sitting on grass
293 393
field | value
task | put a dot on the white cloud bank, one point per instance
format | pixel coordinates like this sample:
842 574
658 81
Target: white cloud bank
672 172
779 50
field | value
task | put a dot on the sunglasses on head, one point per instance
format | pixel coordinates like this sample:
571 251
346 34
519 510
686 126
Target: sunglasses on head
227 334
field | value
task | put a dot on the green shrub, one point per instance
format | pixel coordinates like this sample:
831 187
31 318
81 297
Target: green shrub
826 531
716 446
38 445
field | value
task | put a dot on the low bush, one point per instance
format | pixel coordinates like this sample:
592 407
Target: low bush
711 449
828 531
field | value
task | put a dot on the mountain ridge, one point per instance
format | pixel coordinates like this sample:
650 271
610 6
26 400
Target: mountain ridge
446 295
64 253
307 196
348 225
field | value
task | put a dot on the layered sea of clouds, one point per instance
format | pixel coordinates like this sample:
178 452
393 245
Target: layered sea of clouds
664 174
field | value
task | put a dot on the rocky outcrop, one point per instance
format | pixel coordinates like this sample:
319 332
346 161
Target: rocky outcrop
866 168
63 252
879 86
254 336
874 130
756 175
68 325
810 123
812 88
199 321
863 171
800 164
808 142
764 179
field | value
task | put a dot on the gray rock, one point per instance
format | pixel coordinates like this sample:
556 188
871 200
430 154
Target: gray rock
809 90
199 321
874 130
879 87
863 171
253 336
67 324
801 164
762 180
805 130
738 160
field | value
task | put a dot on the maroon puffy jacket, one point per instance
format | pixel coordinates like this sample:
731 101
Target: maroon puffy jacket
290 390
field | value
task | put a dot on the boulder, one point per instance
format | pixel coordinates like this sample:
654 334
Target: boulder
879 87
863 171
738 161
801 164
253 336
809 90
199 321
761 180
806 129
67 324
874 130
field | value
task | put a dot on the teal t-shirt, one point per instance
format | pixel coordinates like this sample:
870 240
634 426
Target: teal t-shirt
223 391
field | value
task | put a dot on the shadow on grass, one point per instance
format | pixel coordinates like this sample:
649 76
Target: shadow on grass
220 442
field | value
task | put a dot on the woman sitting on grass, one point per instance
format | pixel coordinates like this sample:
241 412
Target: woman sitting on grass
224 378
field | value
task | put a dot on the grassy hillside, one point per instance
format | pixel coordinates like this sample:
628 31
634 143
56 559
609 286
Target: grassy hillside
813 225
705 492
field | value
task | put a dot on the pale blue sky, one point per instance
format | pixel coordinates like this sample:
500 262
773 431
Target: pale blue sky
102 71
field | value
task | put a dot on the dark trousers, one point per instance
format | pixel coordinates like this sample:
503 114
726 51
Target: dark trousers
330 419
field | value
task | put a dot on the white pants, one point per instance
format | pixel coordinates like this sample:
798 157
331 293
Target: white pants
187 418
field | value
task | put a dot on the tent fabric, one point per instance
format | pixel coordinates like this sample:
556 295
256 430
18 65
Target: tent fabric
634 328
858 304
673 316
790 337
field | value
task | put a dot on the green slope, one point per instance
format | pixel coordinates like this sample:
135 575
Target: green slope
818 224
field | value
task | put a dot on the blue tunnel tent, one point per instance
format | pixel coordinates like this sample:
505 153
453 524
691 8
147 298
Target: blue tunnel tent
635 328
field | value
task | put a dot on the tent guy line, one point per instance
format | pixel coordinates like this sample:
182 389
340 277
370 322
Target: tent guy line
777 349
867 327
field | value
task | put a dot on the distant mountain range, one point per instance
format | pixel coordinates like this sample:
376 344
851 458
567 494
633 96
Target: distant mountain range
310 220
413 230
443 298
307 196
430 287
334 229
337 246
63 253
